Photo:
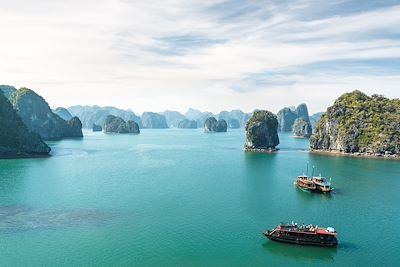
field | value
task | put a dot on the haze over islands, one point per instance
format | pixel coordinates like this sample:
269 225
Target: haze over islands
209 54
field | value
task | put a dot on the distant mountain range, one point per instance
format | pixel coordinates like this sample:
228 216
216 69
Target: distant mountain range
95 115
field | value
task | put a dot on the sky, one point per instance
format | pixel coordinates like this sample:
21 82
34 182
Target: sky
209 55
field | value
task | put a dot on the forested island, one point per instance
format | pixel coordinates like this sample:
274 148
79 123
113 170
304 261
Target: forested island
359 125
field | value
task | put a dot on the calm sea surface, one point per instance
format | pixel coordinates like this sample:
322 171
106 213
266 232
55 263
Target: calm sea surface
186 198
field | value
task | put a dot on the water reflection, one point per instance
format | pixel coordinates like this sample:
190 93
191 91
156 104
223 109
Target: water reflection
305 253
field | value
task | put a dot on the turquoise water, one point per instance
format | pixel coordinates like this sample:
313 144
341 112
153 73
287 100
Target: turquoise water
185 198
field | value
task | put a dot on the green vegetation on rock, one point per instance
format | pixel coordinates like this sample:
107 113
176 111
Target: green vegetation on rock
360 123
211 125
15 139
115 124
302 128
7 90
262 131
39 118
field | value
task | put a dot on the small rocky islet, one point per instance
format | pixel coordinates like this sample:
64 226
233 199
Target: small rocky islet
295 120
212 125
114 124
302 128
262 132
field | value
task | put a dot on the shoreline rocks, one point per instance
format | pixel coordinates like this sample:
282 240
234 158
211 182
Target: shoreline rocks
388 156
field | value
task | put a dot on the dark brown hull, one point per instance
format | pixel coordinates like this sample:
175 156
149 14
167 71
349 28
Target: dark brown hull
302 241
314 190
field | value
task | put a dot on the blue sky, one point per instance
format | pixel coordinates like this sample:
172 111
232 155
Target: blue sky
210 55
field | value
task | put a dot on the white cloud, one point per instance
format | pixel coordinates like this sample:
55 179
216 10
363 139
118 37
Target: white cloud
121 53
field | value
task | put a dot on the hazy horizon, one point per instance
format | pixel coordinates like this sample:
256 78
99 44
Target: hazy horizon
208 55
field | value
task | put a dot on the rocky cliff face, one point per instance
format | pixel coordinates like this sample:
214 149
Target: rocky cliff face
173 118
287 117
63 113
262 132
39 118
90 115
211 125
15 139
302 128
302 112
7 90
187 124
115 124
153 120
357 123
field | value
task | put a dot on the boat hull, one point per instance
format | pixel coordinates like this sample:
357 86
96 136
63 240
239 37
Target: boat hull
302 241
313 189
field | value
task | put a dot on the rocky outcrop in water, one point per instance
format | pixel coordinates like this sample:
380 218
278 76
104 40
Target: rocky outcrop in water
173 118
360 125
262 132
97 128
90 115
211 125
39 118
153 120
302 112
187 124
115 124
15 139
63 113
287 117
302 128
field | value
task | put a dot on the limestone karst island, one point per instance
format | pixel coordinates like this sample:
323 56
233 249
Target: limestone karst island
199 133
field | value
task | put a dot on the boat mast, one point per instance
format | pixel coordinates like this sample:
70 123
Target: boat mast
313 168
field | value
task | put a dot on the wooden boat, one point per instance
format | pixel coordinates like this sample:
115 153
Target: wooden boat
303 182
303 235
321 184
314 184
